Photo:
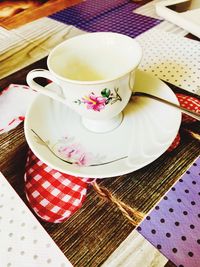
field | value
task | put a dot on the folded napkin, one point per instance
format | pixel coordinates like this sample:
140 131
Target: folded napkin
55 196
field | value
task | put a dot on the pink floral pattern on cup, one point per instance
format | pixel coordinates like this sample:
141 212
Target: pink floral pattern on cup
97 103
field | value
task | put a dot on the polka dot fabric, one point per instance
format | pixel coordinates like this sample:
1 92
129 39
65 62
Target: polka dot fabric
172 58
54 196
119 18
24 242
173 226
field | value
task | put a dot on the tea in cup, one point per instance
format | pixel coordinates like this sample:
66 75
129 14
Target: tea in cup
95 76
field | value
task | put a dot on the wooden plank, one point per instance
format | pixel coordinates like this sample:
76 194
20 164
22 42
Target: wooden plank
34 11
24 46
46 32
16 54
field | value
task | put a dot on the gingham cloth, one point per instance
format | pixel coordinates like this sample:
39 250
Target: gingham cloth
190 103
54 196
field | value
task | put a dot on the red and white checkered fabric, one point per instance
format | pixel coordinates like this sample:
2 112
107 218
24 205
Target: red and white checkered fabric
53 196
191 103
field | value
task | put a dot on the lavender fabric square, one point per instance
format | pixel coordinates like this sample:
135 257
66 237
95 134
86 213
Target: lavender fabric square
87 10
115 16
173 226
122 20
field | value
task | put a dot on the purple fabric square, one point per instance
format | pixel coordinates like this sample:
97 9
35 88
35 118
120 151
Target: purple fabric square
115 16
122 20
173 226
87 10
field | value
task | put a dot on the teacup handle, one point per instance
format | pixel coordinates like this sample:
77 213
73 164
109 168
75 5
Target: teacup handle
41 73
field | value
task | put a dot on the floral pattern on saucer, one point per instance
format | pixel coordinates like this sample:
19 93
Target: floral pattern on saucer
71 152
97 103
68 149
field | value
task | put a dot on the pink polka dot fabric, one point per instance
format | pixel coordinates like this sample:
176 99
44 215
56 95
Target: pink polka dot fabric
173 226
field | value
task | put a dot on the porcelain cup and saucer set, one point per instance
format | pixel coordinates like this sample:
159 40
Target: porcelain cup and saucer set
85 122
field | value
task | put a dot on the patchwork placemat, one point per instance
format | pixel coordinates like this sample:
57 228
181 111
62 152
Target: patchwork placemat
119 18
173 226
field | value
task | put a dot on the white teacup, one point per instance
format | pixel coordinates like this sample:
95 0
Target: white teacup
95 73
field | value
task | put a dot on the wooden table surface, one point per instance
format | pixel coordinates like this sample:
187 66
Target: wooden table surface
94 232
27 11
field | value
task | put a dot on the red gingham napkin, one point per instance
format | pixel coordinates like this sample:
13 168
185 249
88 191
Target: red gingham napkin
190 103
54 196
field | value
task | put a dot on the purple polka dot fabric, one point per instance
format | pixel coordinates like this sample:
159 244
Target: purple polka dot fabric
115 16
173 226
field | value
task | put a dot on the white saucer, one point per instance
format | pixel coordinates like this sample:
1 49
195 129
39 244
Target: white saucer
148 128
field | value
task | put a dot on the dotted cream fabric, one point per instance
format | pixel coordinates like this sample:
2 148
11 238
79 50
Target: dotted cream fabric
172 58
23 241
